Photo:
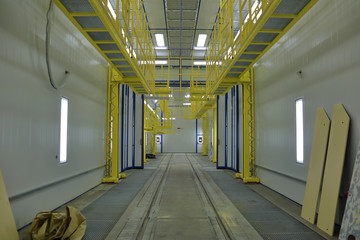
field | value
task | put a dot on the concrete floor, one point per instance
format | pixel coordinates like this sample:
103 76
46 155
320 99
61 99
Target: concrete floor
186 197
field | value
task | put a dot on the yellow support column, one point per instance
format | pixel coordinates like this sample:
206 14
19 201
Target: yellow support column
205 135
248 174
112 169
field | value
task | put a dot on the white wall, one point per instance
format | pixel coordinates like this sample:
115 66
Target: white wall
324 45
29 109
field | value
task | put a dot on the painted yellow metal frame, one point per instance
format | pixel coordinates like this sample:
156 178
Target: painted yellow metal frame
248 174
112 174
133 40
223 51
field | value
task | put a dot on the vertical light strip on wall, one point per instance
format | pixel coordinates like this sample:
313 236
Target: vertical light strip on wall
299 131
64 110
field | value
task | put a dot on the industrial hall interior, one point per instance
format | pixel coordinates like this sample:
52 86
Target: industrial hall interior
179 119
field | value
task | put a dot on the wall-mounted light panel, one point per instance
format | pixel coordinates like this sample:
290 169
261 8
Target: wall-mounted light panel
299 131
64 112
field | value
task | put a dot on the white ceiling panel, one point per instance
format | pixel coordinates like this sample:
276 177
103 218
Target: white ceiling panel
207 13
155 13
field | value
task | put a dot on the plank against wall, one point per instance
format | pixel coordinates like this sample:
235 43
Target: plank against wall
316 166
351 220
7 224
333 169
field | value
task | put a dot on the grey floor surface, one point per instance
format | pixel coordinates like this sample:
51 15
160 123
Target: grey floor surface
269 220
103 213
189 221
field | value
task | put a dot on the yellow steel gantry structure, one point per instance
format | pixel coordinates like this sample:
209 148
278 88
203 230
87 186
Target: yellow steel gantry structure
121 34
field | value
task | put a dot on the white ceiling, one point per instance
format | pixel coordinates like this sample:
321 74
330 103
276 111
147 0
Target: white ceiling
181 21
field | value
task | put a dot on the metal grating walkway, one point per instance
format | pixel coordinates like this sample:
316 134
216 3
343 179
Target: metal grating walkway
104 212
267 219
271 222
277 19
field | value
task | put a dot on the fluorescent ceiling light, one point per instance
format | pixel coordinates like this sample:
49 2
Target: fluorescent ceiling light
111 9
187 96
160 62
160 39
199 48
237 35
170 95
200 63
187 103
201 40
160 48
168 118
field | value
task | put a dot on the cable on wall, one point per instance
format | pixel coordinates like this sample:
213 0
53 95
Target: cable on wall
47 52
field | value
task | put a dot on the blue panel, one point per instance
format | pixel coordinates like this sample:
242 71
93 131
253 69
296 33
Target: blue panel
127 126
232 127
217 129
196 135
133 129
237 129
122 128
143 132
226 130
161 134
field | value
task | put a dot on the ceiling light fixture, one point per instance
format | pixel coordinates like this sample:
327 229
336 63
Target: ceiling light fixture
200 48
237 35
160 39
200 63
111 9
160 48
201 40
187 103
187 96
160 62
